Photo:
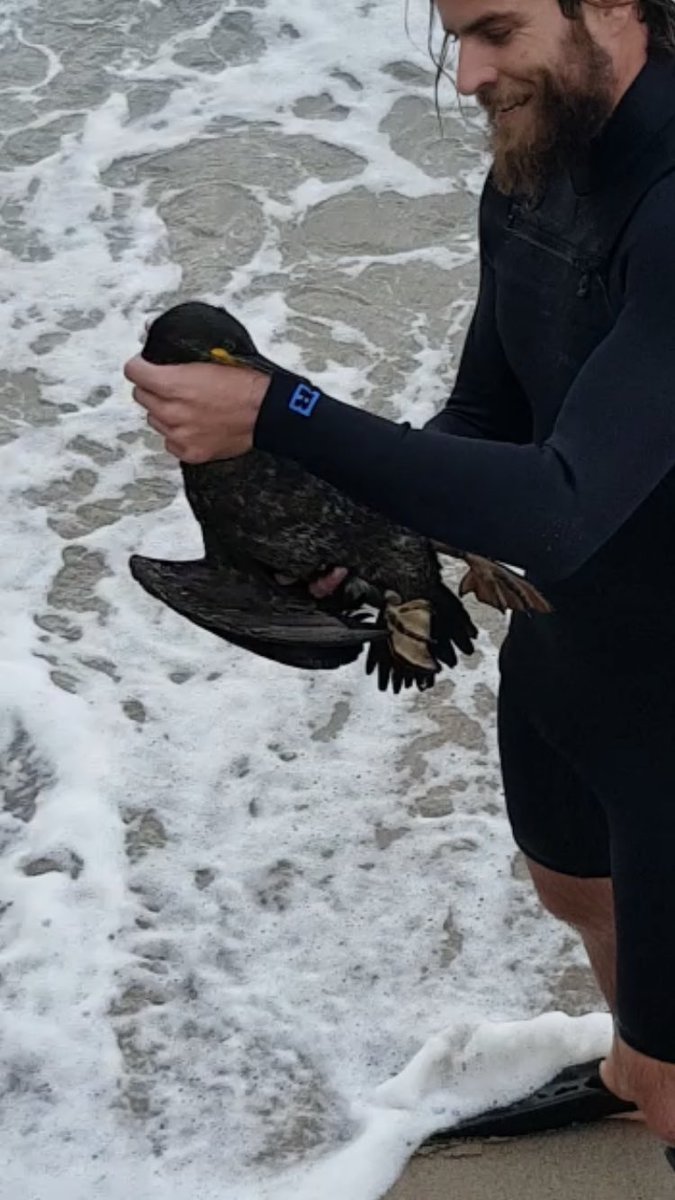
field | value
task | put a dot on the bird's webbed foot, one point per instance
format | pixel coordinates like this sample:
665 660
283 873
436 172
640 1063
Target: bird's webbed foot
496 585
405 659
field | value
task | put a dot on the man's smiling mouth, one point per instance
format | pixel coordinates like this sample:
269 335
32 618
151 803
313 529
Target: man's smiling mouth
512 107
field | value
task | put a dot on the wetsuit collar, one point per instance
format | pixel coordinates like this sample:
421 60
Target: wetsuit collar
646 108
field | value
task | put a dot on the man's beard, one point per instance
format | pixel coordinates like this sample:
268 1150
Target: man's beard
568 109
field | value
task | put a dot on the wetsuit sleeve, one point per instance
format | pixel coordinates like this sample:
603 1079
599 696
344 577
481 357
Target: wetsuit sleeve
487 400
549 507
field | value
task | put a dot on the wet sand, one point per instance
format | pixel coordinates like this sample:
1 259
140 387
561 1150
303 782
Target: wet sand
614 1160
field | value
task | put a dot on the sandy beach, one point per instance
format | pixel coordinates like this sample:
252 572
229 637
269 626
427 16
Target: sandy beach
615 1160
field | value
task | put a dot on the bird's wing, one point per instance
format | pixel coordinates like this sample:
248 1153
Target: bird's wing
250 612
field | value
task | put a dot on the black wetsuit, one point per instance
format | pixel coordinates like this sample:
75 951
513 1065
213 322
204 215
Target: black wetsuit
556 453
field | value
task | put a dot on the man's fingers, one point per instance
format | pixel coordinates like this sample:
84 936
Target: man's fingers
328 583
171 413
140 372
170 444
174 448
166 431
167 382
146 399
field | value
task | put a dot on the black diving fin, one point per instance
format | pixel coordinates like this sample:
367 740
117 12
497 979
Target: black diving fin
574 1097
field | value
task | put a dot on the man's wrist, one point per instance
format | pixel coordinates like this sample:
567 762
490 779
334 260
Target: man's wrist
259 388
287 397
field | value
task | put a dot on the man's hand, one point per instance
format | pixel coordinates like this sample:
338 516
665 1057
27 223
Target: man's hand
329 583
648 1082
203 411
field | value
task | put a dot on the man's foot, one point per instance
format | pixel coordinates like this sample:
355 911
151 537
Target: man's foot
609 1078
651 1081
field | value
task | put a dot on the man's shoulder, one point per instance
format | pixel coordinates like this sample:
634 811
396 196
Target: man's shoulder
654 216
644 261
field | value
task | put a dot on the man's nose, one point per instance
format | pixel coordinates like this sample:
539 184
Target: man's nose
474 68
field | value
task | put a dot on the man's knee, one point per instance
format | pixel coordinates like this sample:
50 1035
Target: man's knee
583 903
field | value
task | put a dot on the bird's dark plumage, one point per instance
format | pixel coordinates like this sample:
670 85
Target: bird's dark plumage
270 529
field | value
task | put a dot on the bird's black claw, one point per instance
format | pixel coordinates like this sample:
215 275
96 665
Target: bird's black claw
392 672
445 653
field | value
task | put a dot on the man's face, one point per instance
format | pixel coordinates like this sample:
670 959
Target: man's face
546 86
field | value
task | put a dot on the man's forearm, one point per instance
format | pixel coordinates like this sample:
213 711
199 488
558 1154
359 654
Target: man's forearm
469 492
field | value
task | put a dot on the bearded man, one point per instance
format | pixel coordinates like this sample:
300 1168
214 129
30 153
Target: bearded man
556 453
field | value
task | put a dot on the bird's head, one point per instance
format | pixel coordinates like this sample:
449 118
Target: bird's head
198 332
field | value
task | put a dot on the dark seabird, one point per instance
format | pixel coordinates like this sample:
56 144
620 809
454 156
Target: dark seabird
270 529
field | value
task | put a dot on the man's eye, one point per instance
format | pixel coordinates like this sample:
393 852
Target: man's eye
498 37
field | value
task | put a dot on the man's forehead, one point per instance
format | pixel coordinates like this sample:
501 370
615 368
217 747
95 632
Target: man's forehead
460 16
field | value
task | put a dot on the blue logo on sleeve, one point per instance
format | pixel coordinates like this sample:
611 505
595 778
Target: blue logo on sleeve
304 400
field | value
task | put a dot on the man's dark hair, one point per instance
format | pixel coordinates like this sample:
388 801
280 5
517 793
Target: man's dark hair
657 15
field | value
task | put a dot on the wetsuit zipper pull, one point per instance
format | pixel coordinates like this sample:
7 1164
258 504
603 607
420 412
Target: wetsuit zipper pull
584 286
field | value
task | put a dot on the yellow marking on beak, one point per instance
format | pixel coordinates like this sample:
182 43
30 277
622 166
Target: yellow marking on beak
223 356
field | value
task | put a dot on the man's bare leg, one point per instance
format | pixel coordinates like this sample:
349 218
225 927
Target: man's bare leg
588 906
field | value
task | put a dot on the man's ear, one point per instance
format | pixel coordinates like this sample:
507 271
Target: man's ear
607 20
617 27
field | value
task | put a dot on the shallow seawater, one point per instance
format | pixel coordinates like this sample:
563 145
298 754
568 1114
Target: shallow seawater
234 899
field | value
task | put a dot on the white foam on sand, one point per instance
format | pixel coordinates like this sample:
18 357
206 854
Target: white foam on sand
224 927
